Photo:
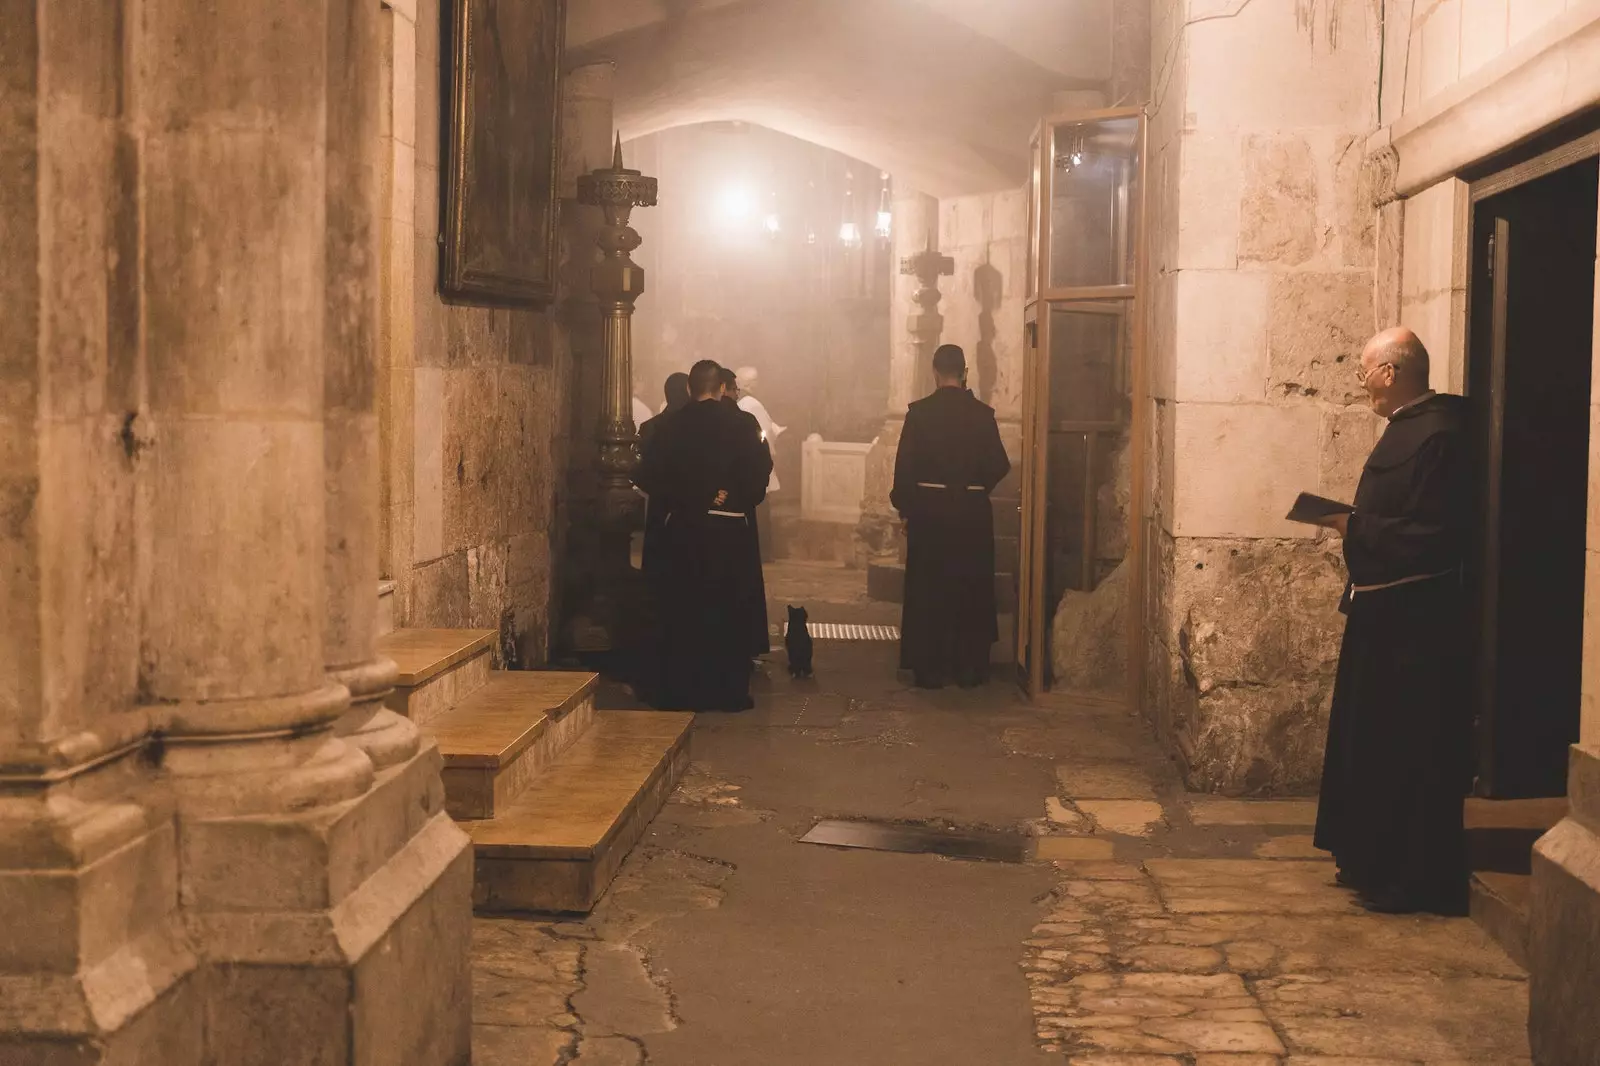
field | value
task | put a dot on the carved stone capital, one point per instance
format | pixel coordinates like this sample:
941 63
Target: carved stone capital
1379 172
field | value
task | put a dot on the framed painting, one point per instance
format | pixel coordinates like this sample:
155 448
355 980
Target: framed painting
503 134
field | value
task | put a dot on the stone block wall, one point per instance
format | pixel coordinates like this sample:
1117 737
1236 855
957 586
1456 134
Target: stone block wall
474 401
1262 239
987 236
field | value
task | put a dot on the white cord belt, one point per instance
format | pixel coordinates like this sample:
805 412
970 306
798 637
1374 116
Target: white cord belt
726 514
937 485
1395 584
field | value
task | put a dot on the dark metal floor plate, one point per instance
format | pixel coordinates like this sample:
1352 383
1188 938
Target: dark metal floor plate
920 840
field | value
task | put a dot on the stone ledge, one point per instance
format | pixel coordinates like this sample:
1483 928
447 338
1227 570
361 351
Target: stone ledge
1551 75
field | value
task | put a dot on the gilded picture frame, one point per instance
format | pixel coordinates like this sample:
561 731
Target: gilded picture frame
502 140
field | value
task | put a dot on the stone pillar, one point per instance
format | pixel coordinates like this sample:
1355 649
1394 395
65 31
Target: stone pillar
926 324
350 944
355 157
915 229
398 256
1261 297
94 962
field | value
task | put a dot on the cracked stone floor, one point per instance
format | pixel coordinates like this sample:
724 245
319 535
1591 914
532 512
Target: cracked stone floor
1156 928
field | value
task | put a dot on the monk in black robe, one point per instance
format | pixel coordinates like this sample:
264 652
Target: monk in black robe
709 468
677 396
648 654
1398 762
754 607
950 459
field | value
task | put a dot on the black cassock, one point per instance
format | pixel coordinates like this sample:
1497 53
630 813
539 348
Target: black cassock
655 514
950 459
1398 761
704 574
754 607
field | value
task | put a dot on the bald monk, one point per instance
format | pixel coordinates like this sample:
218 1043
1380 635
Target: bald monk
1398 761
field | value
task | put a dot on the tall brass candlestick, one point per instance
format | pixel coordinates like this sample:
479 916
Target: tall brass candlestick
618 281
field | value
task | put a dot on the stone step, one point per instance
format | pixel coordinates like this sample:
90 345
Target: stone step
385 608
497 740
1500 907
556 847
1501 833
438 668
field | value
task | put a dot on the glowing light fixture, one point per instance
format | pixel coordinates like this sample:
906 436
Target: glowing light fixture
773 223
849 232
736 205
885 216
1074 156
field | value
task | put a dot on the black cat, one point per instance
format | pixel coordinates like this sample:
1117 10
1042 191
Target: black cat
797 642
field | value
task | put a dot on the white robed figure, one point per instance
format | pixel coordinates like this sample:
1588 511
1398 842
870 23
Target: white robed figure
770 430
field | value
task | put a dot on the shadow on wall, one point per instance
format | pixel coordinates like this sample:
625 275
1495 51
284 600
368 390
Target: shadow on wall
988 288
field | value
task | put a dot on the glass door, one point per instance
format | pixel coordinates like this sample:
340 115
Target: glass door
1084 409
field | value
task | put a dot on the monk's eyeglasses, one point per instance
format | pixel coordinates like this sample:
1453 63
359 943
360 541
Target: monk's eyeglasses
1363 375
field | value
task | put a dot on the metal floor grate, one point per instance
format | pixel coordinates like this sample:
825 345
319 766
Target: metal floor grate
915 839
842 631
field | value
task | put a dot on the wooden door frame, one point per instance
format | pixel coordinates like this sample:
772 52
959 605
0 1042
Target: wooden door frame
1041 298
1555 151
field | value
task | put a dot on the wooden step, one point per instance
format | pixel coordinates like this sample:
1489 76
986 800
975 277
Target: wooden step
557 846
438 668
498 739
1500 907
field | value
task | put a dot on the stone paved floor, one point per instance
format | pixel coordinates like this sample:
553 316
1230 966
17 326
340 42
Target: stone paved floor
1155 928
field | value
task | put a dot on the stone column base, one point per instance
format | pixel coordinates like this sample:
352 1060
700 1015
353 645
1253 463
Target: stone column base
338 936
1564 927
95 963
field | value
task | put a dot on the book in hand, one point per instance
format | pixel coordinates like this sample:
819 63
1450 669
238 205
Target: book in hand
1313 509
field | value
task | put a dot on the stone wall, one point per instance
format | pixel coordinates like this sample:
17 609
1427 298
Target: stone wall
1431 54
475 401
1262 295
916 228
987 236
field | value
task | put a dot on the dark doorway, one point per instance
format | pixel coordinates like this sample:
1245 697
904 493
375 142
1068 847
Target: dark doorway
1531 349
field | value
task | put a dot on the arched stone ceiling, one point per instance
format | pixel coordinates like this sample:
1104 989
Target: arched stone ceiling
941 93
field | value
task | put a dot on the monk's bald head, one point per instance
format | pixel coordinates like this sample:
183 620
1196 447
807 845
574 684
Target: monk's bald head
1394 369
1403 350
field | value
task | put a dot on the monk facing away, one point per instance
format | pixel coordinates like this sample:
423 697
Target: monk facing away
1398 761
950 459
